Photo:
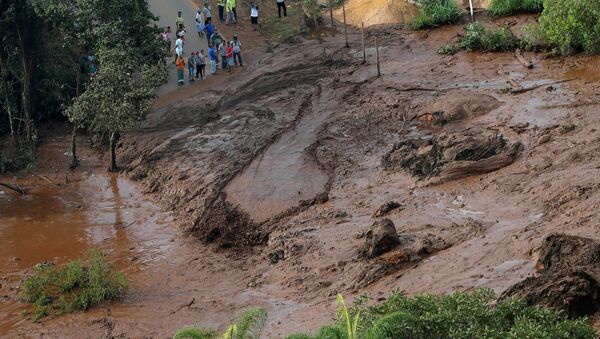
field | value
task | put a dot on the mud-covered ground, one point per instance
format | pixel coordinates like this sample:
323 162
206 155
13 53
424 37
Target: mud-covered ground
280 172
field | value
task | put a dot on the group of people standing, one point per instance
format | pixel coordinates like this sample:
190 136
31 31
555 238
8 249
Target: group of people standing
221 52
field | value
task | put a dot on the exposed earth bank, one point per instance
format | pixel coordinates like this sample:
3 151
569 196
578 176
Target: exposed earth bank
281 174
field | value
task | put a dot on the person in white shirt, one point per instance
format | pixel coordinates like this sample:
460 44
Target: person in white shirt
199 23
207 13
254 15
178 48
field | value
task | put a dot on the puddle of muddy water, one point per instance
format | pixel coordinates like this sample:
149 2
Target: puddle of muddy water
589 72
62 223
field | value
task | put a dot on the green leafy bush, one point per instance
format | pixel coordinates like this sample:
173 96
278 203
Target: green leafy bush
458 315
248 325
448 49
572 25
509 7
77 285
479 38
436 12
533 39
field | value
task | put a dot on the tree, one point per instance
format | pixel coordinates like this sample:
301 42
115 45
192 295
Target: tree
118 97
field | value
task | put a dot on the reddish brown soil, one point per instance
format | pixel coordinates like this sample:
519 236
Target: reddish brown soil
205 158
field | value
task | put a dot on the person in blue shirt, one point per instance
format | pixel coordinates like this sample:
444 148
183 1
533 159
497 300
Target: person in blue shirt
212 55
209 29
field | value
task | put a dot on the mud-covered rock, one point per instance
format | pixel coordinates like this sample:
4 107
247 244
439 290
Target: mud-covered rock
453 155
386 208
381 238
569 268
458 106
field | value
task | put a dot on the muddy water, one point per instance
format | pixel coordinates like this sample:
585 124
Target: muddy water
57 224
588 72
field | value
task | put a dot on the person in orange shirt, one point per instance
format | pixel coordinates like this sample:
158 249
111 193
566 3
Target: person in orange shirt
180 63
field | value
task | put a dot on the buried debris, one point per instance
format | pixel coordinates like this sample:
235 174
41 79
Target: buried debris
381 238
451 156
386 208
457 106
569 268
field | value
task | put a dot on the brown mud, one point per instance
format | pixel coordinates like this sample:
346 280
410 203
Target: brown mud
222 163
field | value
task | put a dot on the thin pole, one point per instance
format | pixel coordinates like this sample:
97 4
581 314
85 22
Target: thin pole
362 30
345 26
471 6
377 57
331 13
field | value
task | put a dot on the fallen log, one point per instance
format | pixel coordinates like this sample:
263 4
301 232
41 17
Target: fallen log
461 169
14 188
531 88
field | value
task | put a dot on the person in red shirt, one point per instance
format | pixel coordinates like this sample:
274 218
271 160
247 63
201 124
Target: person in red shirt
229 56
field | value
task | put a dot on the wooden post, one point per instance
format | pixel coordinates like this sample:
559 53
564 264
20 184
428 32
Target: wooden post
345 26
377 56
362 31
331 13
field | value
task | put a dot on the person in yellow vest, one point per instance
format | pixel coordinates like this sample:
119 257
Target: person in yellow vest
230 7
221 5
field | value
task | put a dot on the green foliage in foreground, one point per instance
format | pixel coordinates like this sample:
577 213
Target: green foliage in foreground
436 12
458 315
509 7
248 325
479 38
77 285
572 25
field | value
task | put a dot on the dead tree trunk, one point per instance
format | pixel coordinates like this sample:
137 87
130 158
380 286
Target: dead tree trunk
74 160
114 139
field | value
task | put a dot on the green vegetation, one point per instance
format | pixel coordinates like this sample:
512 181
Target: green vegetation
458 315
77 285
509 7
572 25
286 31
448 49
248 325
44 67
479 38
436 12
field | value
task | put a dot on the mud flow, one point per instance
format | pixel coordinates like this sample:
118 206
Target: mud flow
60 223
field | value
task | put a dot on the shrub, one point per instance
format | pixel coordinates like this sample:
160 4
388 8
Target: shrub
436 12
572 25
458 315
77 285
248 325
448 49
533 39
509 7
479 38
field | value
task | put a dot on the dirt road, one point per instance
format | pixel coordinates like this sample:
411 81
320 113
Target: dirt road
167 13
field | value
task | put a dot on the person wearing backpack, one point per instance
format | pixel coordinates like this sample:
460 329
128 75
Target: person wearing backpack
237 51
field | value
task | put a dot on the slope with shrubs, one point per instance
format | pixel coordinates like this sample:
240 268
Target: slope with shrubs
572 25
436 12
509 7
459 315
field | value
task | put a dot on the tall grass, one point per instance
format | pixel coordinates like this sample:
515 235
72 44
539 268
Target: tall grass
479 38
436 12
509 7
77 285
248 325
